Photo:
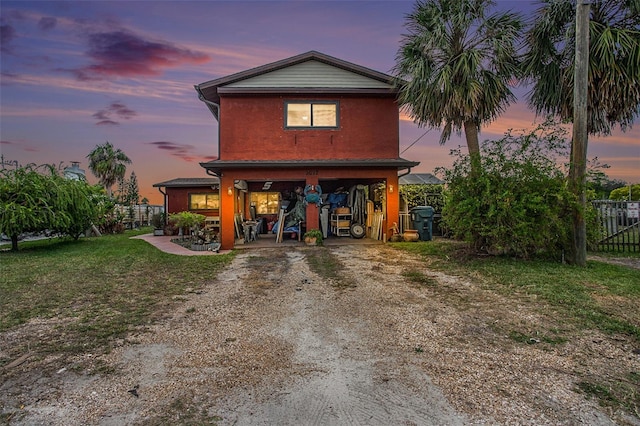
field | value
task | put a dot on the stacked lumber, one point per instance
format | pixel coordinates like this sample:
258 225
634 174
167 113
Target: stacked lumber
370 211
376 226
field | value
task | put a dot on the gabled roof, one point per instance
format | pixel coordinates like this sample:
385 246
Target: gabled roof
310 72
419 179
188 182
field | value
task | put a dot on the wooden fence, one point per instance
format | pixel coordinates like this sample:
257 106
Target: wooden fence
619 225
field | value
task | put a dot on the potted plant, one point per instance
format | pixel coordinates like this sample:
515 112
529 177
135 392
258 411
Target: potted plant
192 222
157 221
313 237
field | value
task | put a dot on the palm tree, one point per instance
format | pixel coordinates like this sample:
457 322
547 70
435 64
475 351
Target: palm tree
108 165
455 65
612 77
614 62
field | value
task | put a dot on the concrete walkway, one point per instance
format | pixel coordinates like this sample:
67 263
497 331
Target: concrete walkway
163 243
264 241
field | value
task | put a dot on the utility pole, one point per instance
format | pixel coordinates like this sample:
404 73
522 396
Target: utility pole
578 166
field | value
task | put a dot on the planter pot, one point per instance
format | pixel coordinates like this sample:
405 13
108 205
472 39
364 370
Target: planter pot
310 241
206 247
411 235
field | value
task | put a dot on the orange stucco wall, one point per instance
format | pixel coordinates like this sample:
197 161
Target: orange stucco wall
252 127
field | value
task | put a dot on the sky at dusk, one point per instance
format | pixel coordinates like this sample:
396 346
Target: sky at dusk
76 74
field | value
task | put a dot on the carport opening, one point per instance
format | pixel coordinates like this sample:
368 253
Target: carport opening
349 208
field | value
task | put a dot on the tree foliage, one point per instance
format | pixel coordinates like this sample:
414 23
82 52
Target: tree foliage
108 165
622 193
455 64
614 62
519 202
36 199
423 195
129 195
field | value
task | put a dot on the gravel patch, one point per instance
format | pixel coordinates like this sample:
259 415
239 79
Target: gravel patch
271 342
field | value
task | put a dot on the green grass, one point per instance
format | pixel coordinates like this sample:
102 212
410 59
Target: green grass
420 278
325 264
600 297
94 289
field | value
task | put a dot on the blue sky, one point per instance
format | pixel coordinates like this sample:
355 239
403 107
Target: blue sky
78 73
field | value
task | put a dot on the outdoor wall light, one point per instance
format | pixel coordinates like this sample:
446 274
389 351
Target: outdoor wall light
390 188
230 191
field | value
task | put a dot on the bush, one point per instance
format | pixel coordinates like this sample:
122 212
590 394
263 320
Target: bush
188 220
38 198
518 203
622 194
423 195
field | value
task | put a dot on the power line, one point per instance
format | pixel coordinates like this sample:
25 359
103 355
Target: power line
416 141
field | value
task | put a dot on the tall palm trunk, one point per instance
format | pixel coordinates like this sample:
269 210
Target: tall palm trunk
473 145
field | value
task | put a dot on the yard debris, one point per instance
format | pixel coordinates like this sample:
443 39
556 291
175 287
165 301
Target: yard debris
18 361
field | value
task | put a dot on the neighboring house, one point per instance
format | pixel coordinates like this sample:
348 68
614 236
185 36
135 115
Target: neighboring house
309 120
419 179
198 195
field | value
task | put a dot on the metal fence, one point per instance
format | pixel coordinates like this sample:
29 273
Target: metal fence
619 225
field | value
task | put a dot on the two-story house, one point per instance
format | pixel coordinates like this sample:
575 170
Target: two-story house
308 121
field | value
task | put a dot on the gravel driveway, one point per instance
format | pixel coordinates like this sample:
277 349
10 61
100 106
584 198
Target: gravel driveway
269 342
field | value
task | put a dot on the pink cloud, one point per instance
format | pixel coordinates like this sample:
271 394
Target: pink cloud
123 54
181 151
108 115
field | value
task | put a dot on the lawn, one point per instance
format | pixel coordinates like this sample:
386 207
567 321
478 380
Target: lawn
601 296
95 290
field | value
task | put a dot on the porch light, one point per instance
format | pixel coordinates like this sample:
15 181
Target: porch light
230 191
390 188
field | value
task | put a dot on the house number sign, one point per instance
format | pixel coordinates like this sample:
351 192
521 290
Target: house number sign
312 172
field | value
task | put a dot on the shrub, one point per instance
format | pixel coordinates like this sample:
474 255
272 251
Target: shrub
188 220
622 194
518 203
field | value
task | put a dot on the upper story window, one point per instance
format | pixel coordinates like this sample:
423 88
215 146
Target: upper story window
311 114
208 201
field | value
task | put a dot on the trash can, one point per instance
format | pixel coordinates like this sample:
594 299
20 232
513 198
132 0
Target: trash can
422 221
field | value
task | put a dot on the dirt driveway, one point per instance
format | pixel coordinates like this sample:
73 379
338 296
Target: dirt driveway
270 342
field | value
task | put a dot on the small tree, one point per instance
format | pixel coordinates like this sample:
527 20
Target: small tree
131 196
626 193
35 201
25 203
83 207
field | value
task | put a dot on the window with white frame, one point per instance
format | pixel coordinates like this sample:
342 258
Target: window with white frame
311 114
